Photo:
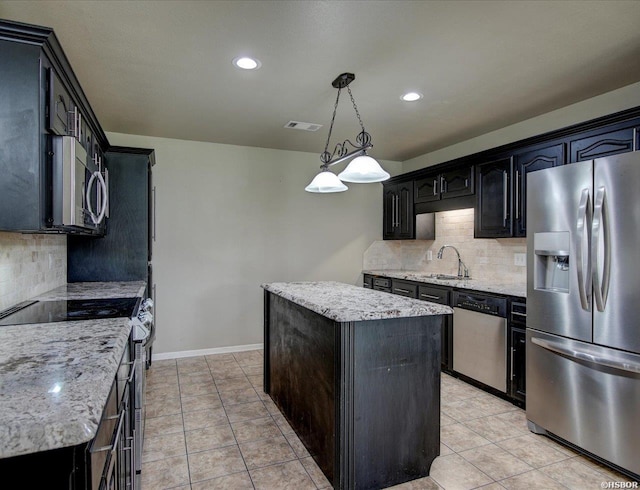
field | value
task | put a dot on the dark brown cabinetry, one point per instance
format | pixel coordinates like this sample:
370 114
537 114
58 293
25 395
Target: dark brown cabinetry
442 296
39 98
517 351
494 217
603 143
500 200
399 219
529 161
363 396
456 182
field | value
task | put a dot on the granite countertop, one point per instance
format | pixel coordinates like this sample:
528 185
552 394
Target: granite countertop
95 290
347 303
54 382
509 289
55 377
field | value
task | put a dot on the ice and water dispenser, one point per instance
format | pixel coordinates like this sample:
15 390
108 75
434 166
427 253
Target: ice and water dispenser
551 261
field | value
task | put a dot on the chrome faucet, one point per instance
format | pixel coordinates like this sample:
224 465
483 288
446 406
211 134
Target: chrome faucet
462 269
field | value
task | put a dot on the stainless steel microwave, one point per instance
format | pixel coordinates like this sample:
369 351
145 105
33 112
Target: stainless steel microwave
79 189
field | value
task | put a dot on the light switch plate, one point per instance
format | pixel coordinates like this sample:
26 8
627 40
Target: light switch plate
520 260
429 255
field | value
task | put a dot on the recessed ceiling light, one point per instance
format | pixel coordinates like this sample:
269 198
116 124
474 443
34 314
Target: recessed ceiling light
411 96
247 63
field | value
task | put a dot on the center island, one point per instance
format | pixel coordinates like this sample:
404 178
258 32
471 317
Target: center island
356 373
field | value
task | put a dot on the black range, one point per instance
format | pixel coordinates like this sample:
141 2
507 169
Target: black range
69 310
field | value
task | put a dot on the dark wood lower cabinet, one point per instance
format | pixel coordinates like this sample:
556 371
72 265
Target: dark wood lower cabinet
517 383
364 397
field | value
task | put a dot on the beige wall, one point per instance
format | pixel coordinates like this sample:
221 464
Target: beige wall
30 265
486 258
602 105
230 218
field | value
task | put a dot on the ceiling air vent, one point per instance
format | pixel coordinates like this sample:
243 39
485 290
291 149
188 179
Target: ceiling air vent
304 126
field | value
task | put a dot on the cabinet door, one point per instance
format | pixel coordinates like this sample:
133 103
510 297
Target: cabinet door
518 364
524 163
601 145
493 210
390 200
367 281
406 217
457 182
427 189
60 106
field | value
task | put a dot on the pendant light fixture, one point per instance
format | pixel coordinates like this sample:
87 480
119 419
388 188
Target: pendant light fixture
362 169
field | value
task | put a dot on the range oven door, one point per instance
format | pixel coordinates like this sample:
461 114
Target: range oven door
79 189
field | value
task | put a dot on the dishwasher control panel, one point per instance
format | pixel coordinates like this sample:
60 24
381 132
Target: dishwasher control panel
491 305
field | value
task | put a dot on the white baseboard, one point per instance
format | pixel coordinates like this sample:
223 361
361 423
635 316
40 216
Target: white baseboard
205 352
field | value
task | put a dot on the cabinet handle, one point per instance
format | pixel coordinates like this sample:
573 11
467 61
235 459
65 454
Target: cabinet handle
443 185
398 211
154 213
505 196
466 183
422 295
512 352
519 314
393 211
406 291
435 187
516 187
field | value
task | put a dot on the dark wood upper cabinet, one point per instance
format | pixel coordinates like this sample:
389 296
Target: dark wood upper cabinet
602 144
427 189
398 215
524 163
493 216
456 182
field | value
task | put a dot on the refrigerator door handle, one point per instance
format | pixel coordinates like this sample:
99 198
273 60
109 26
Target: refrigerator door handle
582 223
600 225
591 357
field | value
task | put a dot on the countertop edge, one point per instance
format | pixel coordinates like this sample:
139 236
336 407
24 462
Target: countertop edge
334 300
505 289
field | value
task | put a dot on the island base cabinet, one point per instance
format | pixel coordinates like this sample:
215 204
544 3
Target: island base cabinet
364 397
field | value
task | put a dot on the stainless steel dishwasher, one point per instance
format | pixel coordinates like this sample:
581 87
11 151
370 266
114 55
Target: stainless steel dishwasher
480 338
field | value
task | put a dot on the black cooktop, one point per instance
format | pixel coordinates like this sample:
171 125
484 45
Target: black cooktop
68 310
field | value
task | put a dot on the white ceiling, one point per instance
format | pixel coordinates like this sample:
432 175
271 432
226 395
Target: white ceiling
163 68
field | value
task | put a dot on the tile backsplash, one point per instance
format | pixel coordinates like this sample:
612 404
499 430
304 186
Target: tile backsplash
30 265
486 258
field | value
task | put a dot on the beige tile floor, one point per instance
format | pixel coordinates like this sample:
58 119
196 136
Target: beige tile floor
210 426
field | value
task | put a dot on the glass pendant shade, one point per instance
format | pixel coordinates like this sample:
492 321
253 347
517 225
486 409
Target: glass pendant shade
326 181
363 170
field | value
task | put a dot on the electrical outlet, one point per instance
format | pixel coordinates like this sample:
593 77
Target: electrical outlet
520 260
429 255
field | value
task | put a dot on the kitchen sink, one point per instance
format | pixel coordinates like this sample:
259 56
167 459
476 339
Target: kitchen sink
448 276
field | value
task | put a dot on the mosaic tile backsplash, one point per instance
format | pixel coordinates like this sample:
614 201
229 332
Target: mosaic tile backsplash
30 265
487 258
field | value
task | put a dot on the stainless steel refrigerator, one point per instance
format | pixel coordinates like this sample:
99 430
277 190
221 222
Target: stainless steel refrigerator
583 306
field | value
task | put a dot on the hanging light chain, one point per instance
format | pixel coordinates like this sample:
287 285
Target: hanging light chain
355 108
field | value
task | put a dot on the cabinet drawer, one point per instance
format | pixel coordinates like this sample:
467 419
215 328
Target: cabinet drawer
404 288
434 295
382 283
